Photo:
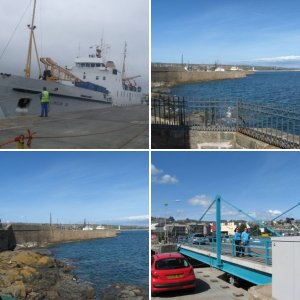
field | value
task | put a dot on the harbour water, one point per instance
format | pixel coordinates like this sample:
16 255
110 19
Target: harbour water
104 262
264 87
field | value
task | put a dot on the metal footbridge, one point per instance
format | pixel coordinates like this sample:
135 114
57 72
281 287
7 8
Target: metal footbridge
252 263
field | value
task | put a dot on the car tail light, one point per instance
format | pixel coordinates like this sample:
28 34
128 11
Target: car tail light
191 272
154 274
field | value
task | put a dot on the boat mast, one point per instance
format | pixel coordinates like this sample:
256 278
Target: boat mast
123 69
31 38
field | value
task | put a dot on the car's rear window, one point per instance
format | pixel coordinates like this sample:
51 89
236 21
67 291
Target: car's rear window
171 263
198 235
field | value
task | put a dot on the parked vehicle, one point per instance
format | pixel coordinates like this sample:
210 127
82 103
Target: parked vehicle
171 271
199 239
182 239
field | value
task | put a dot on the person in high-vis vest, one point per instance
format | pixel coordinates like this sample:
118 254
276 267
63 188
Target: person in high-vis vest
44 102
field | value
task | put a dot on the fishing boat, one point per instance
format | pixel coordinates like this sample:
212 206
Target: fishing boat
93 82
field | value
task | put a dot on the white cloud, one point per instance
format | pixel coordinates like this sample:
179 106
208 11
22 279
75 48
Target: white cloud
137 218
200 200
168 179
158 176
287 58
253 214
155 171
274 212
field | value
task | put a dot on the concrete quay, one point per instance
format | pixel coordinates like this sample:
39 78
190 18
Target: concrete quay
180 138
209 286
124 127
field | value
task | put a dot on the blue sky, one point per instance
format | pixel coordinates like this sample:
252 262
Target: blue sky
232 31
262 183
103 187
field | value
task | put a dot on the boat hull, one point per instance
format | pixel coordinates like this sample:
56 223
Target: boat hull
63 98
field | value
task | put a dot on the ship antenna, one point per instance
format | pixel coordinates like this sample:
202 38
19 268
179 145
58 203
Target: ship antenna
31 38
123 69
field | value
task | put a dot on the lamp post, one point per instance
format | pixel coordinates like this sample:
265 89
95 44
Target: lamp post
166 236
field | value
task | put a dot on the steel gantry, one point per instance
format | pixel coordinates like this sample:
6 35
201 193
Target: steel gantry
221 254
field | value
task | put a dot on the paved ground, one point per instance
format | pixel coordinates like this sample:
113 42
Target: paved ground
209 287
106 128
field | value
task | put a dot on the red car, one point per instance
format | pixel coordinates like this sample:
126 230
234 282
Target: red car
170 272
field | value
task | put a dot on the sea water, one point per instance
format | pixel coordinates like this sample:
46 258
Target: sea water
102 262
264 87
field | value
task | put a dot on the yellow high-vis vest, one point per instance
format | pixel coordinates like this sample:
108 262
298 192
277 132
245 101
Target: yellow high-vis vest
45 96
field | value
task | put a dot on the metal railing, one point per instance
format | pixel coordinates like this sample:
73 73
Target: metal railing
279 126
259 251
270 123
211 115
167 110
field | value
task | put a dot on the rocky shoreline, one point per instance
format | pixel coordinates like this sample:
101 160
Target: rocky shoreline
36 275
125 292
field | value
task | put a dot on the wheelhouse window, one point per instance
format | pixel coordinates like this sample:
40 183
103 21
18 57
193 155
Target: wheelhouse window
97 77
104 78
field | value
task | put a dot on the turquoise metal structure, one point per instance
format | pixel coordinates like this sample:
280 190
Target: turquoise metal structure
285 212
253 219
221 255
213 255
218 231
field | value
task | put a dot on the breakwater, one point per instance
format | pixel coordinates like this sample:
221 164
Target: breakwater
60 236
168 76
40 235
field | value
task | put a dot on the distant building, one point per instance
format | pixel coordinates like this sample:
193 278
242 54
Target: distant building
235 68
203 228
175 229
229 227
100 227
87 228
154 226
219 69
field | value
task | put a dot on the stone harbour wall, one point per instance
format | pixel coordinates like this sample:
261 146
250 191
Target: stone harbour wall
173 76
58 236
39 235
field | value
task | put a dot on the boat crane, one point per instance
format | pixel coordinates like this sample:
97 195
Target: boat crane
56 72
130 78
